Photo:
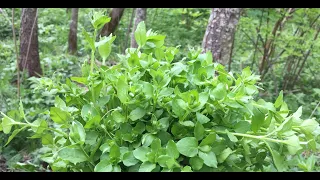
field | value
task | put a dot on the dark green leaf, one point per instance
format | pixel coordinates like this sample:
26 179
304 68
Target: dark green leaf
198 131
196 163
202 118
137 113
188 146
59 116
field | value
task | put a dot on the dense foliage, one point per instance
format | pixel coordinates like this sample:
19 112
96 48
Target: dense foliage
154 112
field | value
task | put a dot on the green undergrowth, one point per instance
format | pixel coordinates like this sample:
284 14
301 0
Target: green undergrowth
152 112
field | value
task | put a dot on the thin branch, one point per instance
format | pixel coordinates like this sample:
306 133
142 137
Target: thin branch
314 110
16 49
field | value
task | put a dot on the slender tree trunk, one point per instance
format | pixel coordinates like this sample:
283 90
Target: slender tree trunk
110 27
128 31
141 15
220 32
29 50
72 41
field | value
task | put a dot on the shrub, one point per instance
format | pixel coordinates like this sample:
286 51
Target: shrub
149 114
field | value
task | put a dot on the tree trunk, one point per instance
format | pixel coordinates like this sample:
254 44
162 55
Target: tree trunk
110 27
141 15
29 52
72 41
128 31
220 32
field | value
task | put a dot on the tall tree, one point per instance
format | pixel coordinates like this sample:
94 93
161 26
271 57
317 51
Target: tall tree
141 15
29 50
72 41
220 32
110 27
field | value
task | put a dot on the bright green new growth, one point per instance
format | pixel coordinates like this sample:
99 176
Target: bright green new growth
151 113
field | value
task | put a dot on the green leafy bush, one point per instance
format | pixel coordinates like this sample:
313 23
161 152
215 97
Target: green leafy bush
150 114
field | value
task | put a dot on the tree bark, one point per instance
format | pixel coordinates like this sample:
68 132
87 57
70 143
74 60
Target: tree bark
141 15
111 26
72 41
220 32
128 31
29 48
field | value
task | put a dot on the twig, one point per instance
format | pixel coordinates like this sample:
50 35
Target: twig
314 110
16 49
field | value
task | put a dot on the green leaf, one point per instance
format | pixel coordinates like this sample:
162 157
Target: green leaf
156 144
140 34
105 48
219 92
22 115
178 107
114 153
196 163
188 146
172 149
257 119
59 103
103 166
298 113
89 40
47 139
91 137
293 144
242 127
100 21
122 89
205 148
137 113
81 80
208 140
232 137
198 131
74 155
186 169
209 159
92 121
202 118
7 124
118 117
309 125
141 152
187 123
14 133
163 159
139 128
88 111
224 155
77 133
147 139
147 167
278 161
59 116
129 159
279 100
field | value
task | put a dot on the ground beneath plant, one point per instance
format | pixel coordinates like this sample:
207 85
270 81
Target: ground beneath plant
3 166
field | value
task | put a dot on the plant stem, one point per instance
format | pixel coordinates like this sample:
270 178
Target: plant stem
16 49
254 137
60 132
314 110
88 158
93 51
95 149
